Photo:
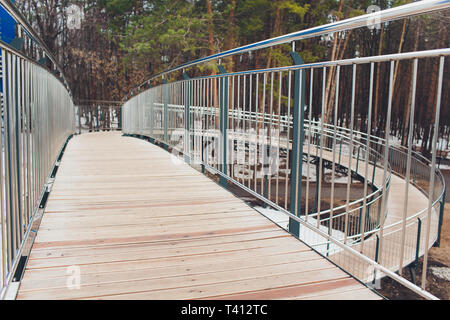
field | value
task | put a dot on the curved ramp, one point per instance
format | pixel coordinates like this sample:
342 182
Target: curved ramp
392 232
137 225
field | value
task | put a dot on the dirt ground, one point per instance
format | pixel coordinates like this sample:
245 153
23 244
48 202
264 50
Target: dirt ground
438 258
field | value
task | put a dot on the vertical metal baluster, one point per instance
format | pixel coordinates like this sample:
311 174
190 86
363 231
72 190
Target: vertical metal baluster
386 158
333 170
350 154
264 134
288 126
310 123
366 158
269 171
232 130
10 120
3 213
433 170
203 122
210 119
319 182
278 143
244 133
256 132
193 116
217 152
408 164
249 136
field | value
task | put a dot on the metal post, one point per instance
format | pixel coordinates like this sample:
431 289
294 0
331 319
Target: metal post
357 159
79 119
441 217
166 113
433 168
223 141
374 168
419 230
376 259
187 117
297 145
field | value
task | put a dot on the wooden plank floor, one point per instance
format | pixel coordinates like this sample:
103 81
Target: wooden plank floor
139 226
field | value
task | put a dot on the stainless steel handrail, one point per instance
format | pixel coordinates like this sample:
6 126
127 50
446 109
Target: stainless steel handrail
37 119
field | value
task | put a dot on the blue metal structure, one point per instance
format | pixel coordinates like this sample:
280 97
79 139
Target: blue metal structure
7 26
7 30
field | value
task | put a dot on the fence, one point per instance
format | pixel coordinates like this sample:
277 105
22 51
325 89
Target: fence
257 129
37 119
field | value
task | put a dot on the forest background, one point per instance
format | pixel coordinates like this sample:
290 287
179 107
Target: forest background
122 43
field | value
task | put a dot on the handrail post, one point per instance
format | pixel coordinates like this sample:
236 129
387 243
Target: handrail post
377 248
97 120
187 117
152 114
166 113
223 108
79 119
357 159
374 169
297 144
419 229
441 217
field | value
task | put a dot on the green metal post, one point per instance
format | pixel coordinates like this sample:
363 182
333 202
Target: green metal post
297 144
223 107
441 217
419 229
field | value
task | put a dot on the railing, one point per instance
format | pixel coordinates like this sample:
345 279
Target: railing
37 119
94 116
256 129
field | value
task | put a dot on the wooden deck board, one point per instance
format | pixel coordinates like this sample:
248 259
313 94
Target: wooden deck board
142 227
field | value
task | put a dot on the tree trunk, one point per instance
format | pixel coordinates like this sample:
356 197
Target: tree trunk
229 44
330 83
210 27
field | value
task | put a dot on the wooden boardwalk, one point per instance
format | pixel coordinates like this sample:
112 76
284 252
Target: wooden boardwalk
139 226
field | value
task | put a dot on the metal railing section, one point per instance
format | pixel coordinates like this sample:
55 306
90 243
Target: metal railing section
38 117
260 130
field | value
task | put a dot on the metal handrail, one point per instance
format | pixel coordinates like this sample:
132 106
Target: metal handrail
38 118
216 89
